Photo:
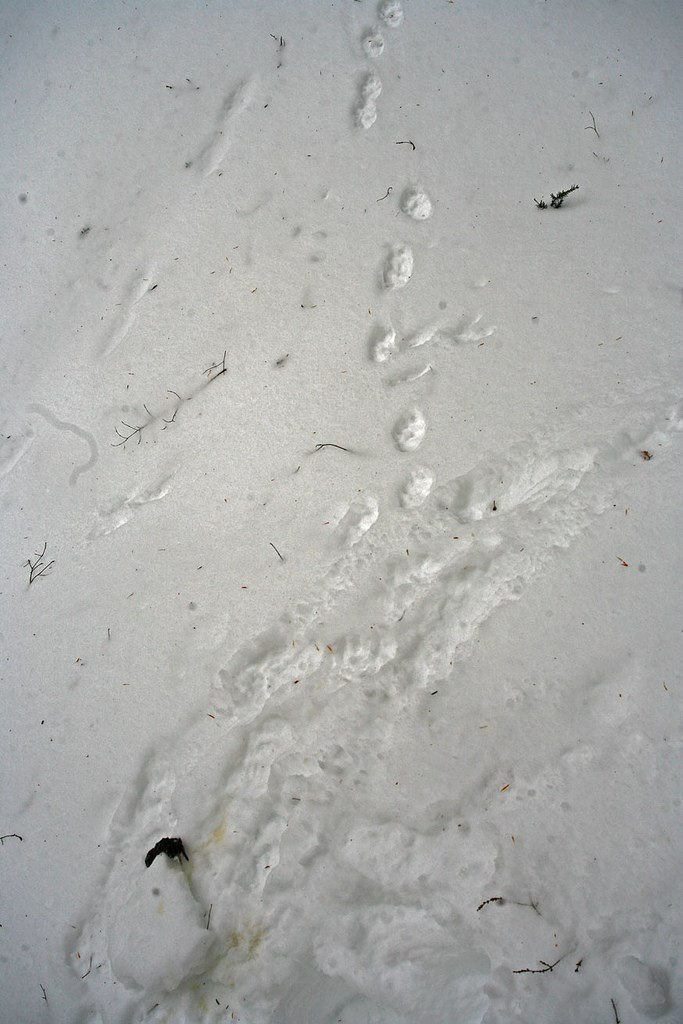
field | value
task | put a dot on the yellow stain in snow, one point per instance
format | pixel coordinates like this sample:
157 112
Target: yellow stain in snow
247 941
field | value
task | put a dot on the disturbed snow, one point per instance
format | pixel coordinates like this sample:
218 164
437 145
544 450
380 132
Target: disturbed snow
359 476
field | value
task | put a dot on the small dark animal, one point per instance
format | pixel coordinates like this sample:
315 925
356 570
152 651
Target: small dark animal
171 847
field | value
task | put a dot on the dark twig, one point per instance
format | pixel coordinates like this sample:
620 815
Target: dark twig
133 432
83 976
556 198
44 992
223 368
10 835
543 969
494 899
592 127
172 419
276 551
208 920
516 903
329 444
407 142
616 1015
38 568
388 193
534 906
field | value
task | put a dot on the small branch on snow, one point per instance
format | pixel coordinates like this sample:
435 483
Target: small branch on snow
556 198
38 568
543 969
493 899
221 367
592 127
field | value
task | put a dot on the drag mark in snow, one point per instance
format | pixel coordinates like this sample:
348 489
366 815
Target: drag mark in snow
123 511
15 440
409 376
72 428
468 330
137 288
216 148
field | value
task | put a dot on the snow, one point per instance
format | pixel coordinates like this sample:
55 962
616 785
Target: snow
341 502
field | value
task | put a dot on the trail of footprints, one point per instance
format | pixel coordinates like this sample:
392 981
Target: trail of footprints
267 795
396 272
390 13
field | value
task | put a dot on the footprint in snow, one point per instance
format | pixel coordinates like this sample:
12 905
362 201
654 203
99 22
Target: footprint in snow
398 267
373 44
360 516
382 342
366 110
416 204
409 431
417 487
391 13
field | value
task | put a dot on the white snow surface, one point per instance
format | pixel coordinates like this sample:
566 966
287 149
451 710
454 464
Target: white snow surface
415 714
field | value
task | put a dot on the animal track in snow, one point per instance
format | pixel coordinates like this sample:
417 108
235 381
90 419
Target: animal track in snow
416 203
366 111
366 115
371 87
360 516
382 343
409 431
398 267
274 768
417 488
483 492
466 331
216 148
373 44
408 376
391 13
14 443
121 513
648 987
138 287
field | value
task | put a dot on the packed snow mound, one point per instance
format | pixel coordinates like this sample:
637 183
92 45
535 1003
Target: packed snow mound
158 938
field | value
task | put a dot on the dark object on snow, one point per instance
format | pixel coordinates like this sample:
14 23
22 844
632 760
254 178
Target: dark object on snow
556 198
171 847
